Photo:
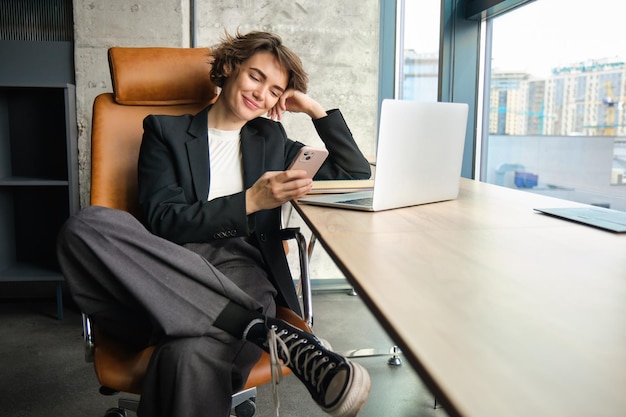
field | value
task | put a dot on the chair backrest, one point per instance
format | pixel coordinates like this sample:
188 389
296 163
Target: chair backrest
145 81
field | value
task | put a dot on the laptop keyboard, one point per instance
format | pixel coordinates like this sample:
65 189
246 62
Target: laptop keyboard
367 201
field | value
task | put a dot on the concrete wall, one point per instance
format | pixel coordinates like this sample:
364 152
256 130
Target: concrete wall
100 24
337 41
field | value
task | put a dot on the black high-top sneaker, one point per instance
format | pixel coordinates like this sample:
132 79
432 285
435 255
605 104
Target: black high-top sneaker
340 387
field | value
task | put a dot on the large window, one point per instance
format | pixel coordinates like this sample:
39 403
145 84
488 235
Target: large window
418 49
555 90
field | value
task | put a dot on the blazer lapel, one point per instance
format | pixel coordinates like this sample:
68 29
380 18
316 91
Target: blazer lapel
252 151
253 155
198 145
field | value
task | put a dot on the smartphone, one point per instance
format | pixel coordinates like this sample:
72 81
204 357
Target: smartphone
309 159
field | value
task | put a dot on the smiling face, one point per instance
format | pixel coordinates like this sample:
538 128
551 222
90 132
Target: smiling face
252 89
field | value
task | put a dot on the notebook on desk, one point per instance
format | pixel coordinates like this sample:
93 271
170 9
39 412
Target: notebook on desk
341 186
418 159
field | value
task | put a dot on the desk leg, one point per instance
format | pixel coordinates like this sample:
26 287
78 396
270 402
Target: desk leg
436 404
395 358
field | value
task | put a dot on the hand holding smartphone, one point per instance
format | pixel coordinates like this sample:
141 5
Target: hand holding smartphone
309 159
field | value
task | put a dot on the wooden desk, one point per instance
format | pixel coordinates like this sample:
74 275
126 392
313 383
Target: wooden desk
502 311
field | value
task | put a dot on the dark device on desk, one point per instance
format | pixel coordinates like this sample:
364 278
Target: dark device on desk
603 218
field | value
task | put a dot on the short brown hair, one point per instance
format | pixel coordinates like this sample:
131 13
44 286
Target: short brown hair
234 50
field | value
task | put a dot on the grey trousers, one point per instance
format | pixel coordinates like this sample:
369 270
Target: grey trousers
147 290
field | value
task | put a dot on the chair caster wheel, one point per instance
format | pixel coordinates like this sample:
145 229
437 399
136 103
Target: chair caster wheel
115 412
246 409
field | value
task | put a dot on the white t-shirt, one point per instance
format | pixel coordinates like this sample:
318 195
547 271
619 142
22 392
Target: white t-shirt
225 162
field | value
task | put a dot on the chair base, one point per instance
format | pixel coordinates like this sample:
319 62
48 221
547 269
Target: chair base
243 404
115 412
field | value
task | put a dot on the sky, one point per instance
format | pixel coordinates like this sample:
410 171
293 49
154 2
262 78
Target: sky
537 37
552 33
422 25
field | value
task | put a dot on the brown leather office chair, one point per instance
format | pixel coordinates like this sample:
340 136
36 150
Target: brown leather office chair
154 81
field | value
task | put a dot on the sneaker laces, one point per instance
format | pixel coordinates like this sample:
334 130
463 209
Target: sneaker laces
298 354
276 369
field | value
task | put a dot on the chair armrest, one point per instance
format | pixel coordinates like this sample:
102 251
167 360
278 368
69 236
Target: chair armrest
304 284
88 339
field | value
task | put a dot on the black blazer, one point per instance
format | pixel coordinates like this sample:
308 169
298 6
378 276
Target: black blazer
174 177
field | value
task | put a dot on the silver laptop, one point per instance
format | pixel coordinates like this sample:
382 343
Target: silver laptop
418 159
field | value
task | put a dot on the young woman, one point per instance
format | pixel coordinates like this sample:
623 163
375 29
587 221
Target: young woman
202 280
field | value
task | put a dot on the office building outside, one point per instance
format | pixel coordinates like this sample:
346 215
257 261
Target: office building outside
419 76
584 99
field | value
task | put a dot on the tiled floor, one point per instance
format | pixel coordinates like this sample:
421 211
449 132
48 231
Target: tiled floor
44 373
